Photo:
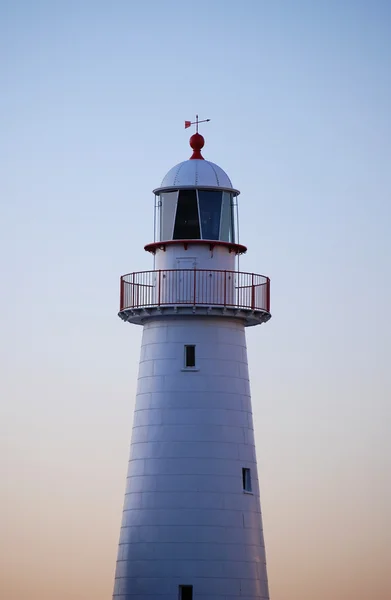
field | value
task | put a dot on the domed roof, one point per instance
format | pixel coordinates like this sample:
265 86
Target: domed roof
196 172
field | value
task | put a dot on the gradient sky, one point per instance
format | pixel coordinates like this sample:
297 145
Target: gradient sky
92 103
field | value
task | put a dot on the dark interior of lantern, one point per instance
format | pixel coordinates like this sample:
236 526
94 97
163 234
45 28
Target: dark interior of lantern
196 214
187 224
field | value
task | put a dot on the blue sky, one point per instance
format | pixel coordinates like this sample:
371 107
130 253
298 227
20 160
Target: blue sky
93 99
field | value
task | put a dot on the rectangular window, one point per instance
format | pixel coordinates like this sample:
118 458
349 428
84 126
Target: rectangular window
187 224
226 218
185 592
246 477
190 356
210 211
167 203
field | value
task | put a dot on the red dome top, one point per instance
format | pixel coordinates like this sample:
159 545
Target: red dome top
197 143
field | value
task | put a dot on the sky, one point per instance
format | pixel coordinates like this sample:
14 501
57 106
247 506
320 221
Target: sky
92 103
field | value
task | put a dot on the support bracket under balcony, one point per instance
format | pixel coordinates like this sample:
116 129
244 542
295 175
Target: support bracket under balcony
139 316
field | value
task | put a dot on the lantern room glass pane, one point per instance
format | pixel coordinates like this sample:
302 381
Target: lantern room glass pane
226 218
187 225
167 214
210 213
234 219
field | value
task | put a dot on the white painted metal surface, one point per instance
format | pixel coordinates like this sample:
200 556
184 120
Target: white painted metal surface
186 519
196 173
204 257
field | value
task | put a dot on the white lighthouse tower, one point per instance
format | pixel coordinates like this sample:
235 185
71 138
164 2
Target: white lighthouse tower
192 526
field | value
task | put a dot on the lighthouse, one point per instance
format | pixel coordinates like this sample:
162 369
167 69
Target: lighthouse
192 525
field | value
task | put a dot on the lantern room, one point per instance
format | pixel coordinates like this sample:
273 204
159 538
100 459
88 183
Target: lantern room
196 201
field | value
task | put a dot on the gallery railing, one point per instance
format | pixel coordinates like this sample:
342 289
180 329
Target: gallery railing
173 287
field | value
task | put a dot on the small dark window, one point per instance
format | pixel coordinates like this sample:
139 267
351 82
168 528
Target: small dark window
246 477
185 592
187 225
189 356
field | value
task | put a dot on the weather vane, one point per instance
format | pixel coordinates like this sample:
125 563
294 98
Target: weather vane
189 123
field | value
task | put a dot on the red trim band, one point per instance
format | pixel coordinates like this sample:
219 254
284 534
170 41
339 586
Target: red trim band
154 246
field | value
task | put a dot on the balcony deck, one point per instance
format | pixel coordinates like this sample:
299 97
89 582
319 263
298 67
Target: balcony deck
148 293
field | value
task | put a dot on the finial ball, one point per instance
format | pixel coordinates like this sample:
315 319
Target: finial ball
197 141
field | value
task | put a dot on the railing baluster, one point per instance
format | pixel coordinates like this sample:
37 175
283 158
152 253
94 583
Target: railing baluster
133 290
268 294
121 294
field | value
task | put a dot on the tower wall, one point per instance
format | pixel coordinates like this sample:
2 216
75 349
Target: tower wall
203 256
187 519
